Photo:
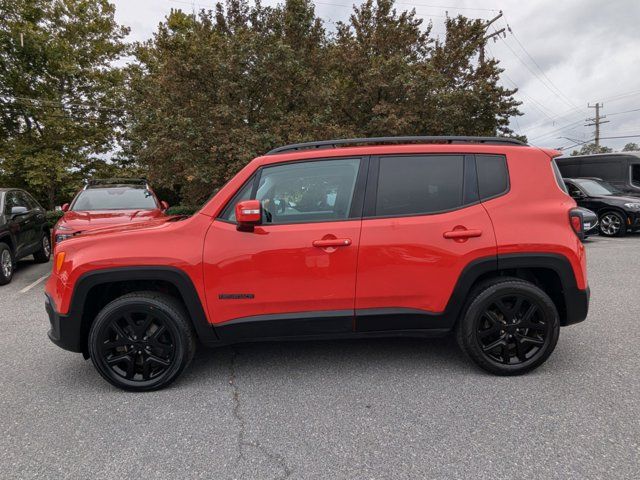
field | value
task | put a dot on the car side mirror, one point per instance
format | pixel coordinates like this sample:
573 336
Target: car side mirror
578 195
65 207
16 211
164 205
248 214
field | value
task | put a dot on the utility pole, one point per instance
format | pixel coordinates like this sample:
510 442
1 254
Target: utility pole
483 40
596 121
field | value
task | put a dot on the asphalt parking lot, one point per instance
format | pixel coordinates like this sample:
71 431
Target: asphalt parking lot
369 409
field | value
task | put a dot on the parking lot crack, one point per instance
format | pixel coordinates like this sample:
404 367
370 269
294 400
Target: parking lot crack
242 442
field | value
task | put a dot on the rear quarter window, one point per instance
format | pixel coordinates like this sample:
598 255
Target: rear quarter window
493 175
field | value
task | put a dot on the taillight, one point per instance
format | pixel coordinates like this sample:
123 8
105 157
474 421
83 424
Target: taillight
577 222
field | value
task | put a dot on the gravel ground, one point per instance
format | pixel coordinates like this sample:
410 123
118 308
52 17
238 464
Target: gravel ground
383 409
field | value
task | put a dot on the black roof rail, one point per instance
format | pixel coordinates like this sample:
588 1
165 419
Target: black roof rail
116 181
373 140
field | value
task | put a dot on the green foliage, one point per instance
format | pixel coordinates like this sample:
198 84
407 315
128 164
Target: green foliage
213 90
60 94
590 148
182 210
53 216
631 147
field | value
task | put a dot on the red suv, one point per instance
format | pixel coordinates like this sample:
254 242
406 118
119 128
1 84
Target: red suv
106 202
413 236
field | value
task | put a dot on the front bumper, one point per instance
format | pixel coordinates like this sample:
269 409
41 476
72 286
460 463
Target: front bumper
65 331
577 303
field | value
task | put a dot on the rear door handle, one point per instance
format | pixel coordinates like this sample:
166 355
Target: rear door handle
332 242
457 234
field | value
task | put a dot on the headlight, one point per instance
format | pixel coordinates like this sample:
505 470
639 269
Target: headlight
632 206
62 236
62 227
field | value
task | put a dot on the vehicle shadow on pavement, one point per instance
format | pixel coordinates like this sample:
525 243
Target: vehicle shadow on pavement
319 357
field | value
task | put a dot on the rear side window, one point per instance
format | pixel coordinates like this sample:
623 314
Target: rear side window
419 184
493 176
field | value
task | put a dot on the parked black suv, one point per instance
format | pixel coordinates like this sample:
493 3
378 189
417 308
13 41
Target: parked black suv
23 231
618 214
622 170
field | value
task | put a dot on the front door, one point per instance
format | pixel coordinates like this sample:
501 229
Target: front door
295 274
19 225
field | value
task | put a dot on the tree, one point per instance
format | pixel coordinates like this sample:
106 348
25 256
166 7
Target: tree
590 148
631 147
212 90
60 95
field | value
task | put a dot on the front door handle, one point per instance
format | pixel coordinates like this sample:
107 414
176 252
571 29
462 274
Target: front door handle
332 242
462 234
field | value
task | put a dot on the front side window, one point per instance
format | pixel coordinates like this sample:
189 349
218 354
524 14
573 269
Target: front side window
301 192
419 184
573 190
307 191
114 198
14 199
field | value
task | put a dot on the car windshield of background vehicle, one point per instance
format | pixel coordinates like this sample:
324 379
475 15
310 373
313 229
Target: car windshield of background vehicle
595 188
118 198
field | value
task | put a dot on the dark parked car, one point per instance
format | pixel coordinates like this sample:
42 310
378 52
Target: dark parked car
617 213
622 170
23 231
589 221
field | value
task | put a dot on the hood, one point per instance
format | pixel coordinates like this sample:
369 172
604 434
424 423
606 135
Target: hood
149 224
90 220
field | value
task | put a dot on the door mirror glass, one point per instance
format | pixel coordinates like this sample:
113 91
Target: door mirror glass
248 214
15 211
65 207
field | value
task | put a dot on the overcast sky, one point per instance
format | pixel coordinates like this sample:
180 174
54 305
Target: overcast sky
561 54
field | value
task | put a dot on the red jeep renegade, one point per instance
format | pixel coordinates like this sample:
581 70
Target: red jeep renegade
413 236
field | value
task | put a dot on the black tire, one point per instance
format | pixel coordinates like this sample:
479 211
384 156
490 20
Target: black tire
6 255
505 337
44 254
141 341
612 224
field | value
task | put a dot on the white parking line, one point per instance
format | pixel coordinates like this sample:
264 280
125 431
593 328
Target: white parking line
29 287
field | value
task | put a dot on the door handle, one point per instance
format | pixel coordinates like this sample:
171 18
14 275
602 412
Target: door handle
462 234
332 242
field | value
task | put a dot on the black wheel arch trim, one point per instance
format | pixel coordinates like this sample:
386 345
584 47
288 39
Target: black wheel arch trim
75 331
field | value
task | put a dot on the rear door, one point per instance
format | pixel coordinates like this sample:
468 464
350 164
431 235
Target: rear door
423 224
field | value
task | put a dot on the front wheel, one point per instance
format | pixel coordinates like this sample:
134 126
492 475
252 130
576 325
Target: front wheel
6 264
44 253
141 341
509 327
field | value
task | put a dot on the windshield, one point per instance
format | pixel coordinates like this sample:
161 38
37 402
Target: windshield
596 188
115 198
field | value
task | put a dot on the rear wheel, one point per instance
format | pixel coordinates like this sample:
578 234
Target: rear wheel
612 224
44 253
509 327
141 341
6 264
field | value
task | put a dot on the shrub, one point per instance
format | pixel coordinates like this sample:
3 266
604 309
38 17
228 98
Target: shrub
182 210
53 217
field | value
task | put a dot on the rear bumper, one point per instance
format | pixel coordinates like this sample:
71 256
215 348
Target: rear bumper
577 305
65 331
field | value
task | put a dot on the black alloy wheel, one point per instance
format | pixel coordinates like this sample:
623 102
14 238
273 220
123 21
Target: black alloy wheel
511 330
141 341
510 326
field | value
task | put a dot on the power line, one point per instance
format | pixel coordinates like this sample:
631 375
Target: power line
515 37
